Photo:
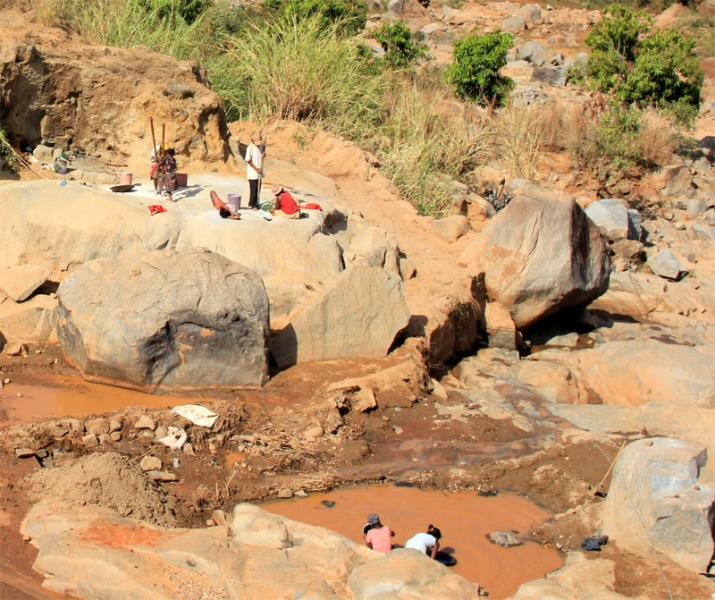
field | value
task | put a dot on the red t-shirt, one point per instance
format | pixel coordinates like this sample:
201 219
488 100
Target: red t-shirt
380 539
286 203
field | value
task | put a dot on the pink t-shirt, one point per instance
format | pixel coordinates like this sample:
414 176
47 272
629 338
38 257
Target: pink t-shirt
380 539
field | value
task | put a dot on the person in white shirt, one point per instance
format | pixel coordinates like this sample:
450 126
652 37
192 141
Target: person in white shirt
427 543
254 169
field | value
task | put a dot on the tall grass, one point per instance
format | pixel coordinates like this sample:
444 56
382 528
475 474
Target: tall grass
518 136
424 146
127 23
301 70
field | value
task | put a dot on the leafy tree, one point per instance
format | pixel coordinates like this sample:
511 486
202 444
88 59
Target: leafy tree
666 74
475 69
400 47
613 43
660 69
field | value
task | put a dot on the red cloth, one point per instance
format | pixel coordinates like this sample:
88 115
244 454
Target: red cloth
156 208
286 203
312 206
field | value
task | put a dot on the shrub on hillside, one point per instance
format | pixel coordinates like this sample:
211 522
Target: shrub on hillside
660 70
401 48
475 72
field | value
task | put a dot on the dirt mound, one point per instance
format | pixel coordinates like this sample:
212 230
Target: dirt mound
109 480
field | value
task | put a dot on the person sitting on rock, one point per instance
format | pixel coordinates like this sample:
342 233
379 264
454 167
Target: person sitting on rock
285 205
377 535
427 543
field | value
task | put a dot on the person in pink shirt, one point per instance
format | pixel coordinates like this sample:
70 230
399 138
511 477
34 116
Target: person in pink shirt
377 535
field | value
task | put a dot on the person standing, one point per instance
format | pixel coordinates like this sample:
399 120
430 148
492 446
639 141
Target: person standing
427 543
378 536
168 167
254 169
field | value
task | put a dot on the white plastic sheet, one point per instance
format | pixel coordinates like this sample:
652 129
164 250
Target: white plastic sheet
198 415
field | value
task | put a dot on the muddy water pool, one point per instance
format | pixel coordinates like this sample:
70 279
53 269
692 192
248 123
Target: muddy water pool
465 518
45 398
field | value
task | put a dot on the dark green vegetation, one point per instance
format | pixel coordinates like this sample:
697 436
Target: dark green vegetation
401 49
659 70
475 71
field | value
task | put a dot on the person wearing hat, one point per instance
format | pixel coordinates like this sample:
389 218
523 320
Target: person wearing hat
377 535
254 169
285 205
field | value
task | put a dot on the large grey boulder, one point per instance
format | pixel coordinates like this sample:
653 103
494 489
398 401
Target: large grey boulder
167 320
615 220
410 574
553 76
654 502
359 316
538 256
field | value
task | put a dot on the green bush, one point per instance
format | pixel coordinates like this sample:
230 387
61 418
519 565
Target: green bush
660 70
401 48
611 141
475 70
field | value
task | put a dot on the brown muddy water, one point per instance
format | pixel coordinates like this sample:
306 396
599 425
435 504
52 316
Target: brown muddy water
57 397
465 519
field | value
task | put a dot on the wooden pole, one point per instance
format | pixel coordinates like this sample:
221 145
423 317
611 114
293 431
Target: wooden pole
598 489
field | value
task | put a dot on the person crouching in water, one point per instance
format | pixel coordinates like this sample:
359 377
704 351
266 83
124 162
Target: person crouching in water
427 543
377 535
285 205
168 166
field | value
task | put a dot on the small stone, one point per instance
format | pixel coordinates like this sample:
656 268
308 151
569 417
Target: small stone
90 440
115 436
26 538
145 422
188 449
16 349
161 476
285 493
397 429
24 452
219 517
19 394
301 494
97 426
314 433
210 523
161 432
7 380
504 538
150 463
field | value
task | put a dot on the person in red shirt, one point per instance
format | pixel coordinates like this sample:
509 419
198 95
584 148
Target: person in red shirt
377 535
285 205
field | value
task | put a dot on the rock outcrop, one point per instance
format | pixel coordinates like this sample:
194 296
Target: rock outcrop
98 99
538 256
167 320
359 316
654 502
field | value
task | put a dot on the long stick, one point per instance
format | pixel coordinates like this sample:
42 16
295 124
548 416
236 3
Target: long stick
159 177
153 138
610 468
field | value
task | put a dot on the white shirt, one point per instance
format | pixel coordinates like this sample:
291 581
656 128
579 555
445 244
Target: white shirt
253 154
424 542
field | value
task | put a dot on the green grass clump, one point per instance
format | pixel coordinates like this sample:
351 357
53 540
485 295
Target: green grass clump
301 70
